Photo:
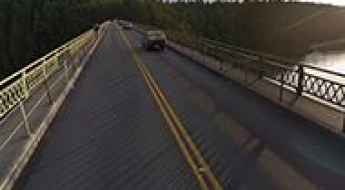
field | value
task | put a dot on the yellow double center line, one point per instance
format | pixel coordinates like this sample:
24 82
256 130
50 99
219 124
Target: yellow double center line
201 169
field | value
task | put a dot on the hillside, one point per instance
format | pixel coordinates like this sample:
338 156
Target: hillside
294 35
286 29
32 28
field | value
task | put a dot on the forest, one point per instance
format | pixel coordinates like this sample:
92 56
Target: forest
32 28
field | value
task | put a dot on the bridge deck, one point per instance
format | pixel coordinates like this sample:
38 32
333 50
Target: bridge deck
110 133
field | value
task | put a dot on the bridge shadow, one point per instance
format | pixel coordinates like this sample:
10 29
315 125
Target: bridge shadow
243 165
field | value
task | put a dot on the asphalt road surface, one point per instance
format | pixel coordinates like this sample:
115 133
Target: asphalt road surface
110 133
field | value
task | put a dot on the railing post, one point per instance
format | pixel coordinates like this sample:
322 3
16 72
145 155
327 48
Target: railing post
46 86
25 118
25 85
64 62
300 80
281 90
343 130
67 59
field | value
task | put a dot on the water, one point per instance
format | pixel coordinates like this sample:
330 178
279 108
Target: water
333 61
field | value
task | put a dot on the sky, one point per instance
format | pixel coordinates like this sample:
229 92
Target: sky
334 2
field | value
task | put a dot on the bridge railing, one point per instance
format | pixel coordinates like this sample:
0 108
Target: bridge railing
20 85
304 79
27 96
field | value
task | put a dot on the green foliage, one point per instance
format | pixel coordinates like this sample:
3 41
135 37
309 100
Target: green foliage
31 28
283 28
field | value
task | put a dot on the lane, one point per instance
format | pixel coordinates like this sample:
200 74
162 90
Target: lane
235 169
109 134
200 167
212 106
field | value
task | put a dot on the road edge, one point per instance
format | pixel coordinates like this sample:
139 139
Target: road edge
30 147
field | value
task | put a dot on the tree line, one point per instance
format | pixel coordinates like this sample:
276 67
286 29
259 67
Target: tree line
32 28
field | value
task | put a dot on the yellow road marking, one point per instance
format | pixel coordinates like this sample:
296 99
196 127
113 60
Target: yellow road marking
200 168
178 138
205 167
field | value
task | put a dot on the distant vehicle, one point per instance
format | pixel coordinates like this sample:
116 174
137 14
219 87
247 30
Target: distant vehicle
154 39
127 26
121 22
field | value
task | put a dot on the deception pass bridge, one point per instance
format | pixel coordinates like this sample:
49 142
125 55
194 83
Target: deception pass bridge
100 112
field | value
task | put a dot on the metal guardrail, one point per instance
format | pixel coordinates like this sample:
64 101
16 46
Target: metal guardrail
22 93
322 84
21 84
30 98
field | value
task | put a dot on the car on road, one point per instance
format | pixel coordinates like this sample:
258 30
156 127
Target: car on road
154 39
121 22
125 24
